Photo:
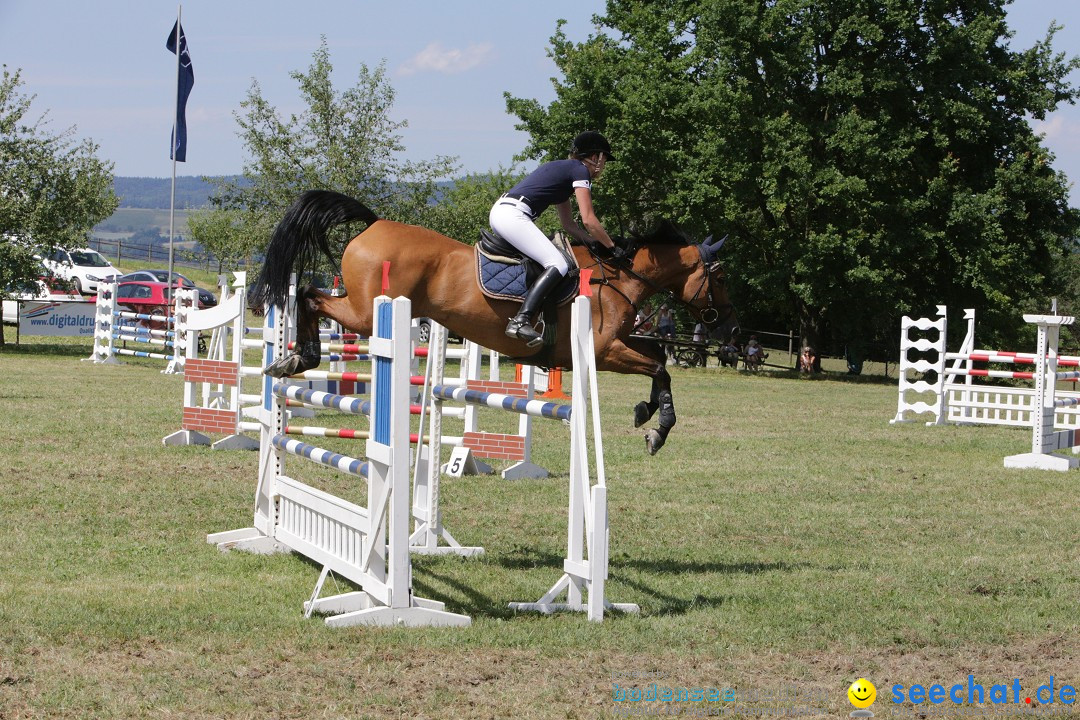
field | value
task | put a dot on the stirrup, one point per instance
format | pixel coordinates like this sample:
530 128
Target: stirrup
520 329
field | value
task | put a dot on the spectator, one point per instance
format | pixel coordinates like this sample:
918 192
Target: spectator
643 323
666 322
807 360
755 354
699 332
729 354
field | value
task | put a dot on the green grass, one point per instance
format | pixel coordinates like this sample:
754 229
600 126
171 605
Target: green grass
787 534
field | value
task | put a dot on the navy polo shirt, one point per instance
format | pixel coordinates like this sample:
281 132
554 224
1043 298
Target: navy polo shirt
551 184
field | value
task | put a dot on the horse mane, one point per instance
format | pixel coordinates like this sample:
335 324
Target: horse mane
664 232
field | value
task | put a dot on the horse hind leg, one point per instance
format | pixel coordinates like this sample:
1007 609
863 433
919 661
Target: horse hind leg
311 305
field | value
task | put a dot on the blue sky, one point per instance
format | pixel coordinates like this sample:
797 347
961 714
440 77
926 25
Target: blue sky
105 70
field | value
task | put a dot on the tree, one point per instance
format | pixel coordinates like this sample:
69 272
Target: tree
869 158
221 234
53 189
341 141
461 210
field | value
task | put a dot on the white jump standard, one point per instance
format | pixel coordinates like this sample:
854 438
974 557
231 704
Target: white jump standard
1044 438
367 545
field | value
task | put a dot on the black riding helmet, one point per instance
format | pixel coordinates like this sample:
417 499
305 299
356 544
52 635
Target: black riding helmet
590 142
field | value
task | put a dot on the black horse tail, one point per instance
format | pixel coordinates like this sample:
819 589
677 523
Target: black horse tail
300 237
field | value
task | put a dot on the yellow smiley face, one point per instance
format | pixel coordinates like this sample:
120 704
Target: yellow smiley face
862 693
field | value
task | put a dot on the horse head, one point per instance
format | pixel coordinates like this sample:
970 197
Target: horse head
694 275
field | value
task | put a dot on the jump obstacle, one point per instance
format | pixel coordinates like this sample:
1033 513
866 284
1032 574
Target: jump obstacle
214 401
954 395
1053 415
369 546
113 325
1045 440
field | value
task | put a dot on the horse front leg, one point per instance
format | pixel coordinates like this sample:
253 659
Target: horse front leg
659 398
644 357
307 351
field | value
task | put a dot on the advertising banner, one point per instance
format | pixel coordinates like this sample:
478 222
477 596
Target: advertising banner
67 319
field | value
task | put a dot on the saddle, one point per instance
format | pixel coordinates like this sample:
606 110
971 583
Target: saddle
503 273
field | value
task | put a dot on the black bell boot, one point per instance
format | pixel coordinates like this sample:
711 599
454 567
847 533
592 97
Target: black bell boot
521 325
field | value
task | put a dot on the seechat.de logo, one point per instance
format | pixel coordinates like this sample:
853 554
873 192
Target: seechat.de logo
862 694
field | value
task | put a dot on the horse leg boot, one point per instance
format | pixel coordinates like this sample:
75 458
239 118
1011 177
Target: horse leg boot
656 437
521 325
644 410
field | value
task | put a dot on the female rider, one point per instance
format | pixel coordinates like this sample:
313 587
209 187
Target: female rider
513 215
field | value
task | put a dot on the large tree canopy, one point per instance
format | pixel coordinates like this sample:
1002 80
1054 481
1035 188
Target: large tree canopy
344 141
53 189
869 158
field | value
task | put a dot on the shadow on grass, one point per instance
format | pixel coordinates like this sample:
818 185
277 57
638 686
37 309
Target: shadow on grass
664 604
479 603
828 376
40 348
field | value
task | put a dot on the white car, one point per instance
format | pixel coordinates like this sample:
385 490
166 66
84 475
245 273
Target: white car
85 267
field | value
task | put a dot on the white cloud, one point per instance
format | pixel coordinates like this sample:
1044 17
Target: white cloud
448 61
1061 129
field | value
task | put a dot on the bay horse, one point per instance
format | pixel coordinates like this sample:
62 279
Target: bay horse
438 275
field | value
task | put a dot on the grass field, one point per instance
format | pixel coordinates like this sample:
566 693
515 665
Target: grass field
786 537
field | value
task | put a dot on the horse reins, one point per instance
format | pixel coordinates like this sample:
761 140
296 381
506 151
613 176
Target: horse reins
709 315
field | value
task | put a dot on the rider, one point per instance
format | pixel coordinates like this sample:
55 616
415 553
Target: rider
513 215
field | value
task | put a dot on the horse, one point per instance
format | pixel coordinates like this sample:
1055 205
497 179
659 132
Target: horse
438 274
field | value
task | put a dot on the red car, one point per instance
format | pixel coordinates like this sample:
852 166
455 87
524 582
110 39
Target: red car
146 297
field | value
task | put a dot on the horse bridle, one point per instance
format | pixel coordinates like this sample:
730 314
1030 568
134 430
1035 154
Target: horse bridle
709 315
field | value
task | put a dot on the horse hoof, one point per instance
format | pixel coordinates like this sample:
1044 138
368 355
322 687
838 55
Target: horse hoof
653 441
641 414
284 367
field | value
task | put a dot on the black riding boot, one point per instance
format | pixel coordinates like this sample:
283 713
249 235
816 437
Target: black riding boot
520 326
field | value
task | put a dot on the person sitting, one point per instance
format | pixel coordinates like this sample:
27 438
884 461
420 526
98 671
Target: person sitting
755 354
729 354
513 217
807 360
666 322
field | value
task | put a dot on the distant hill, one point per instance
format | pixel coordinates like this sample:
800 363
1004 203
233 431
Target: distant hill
153 193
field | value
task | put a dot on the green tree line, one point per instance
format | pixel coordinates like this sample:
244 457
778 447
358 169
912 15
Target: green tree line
866 158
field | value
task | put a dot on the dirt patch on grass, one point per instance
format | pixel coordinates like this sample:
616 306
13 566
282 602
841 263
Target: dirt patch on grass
360 675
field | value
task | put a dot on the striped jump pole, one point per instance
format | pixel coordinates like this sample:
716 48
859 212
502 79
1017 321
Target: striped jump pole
110 328
535 408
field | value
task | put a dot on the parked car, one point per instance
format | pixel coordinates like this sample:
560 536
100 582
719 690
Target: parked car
425 332
144 296
206 298
85 267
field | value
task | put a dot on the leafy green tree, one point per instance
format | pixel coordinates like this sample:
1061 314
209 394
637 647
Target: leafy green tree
53 189
461 209
344 141
222 234
868 158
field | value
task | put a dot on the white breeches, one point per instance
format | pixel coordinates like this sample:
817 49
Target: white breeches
517 228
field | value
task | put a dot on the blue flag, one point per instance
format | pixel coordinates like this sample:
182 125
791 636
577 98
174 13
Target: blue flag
185 79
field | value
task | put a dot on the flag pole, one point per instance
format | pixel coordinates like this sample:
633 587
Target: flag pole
172 191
